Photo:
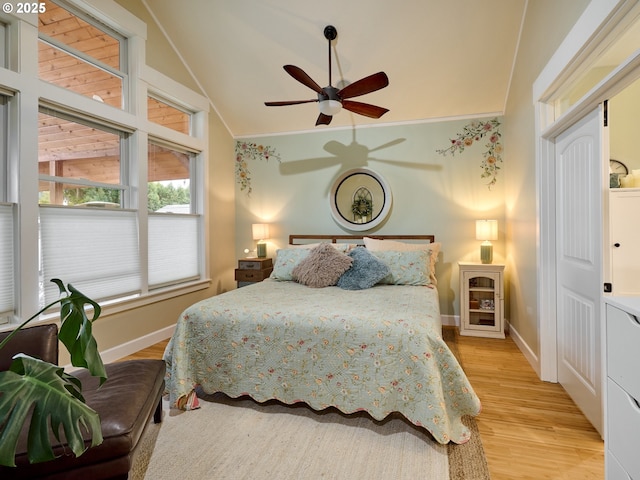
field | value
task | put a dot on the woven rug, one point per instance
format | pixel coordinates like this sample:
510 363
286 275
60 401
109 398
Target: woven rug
243 439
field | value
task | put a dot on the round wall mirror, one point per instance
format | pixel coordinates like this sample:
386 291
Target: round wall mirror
360 199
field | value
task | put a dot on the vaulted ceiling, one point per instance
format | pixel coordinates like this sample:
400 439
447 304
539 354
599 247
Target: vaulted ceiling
444 58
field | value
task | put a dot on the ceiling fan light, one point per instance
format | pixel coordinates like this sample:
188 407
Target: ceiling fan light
329 107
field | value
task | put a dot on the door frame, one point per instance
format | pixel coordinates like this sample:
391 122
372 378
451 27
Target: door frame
593 31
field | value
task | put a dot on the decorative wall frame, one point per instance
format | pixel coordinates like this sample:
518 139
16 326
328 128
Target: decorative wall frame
360 199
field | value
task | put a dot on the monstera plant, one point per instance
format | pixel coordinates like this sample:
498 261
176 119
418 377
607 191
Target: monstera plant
54 397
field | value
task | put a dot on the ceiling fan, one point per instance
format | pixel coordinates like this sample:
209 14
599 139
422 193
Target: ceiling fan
330 99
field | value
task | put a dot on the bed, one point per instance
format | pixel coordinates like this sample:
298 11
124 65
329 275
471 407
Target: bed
375 348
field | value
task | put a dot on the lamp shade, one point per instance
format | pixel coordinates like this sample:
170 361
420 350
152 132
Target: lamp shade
260 231
486 229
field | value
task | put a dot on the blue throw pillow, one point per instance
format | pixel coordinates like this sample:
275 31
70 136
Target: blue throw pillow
366 270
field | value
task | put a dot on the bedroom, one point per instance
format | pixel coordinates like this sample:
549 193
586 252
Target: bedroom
456 180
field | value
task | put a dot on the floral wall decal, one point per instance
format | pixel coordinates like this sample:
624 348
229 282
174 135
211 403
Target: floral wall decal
250 151
473 132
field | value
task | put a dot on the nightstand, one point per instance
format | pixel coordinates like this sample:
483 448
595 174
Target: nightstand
253 270
482 299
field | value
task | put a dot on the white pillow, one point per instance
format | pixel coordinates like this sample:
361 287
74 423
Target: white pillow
376 245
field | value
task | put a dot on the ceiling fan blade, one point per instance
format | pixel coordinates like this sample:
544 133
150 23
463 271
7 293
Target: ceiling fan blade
288 102
302 77
365 85
364 109
323 119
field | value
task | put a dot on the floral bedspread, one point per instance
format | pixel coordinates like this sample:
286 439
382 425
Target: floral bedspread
379 350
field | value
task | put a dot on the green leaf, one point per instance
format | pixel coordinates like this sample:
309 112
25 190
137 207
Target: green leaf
76 331
55 398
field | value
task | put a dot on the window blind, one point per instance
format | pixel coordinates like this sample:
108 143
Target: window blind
6 260
173 248
94 250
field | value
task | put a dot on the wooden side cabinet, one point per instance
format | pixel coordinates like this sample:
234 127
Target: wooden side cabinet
253 270
482 299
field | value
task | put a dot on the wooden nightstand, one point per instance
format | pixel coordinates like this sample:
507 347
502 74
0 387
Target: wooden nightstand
253 270
482 299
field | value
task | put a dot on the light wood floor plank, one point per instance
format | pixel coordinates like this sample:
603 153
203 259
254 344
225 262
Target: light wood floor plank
530 429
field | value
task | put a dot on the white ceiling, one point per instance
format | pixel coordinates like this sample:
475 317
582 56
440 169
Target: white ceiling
444 58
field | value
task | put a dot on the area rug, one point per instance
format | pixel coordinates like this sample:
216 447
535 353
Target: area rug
243 439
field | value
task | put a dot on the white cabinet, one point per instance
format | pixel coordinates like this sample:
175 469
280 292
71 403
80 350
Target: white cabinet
482 299
624 239
622 407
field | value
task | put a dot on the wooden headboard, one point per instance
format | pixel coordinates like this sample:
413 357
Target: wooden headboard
302 239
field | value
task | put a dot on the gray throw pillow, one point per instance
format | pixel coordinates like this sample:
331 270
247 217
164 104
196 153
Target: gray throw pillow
366 270
322 267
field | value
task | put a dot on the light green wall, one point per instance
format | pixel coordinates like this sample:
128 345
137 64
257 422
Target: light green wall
546 24
432 194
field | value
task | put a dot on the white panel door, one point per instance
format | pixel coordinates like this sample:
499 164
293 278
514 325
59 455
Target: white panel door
579 193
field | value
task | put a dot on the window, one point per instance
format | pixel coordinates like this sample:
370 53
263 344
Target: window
602 61
79 163
97 195
170 116
7 276
6 262
173 234
77 53
96 250
169 179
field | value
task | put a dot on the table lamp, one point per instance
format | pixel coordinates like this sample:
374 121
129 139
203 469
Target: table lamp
486 230
260 232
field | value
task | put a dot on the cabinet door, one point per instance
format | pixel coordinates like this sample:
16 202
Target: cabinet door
483 301
625 233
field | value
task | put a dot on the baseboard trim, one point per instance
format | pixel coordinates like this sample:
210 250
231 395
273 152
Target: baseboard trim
450 320
133 346
531 357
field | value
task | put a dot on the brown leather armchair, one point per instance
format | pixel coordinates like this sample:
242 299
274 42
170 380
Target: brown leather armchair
125 403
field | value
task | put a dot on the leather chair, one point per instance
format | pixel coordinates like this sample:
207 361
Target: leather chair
125 403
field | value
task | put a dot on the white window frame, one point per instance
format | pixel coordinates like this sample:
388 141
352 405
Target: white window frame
31 93
7 223
3 44
158 97
122 73
124 160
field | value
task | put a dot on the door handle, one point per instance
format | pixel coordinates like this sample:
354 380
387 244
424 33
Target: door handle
617 245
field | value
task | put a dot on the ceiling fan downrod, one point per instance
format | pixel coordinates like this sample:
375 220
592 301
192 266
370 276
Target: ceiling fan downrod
330 33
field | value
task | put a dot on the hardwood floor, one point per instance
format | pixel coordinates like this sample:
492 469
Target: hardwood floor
530 429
